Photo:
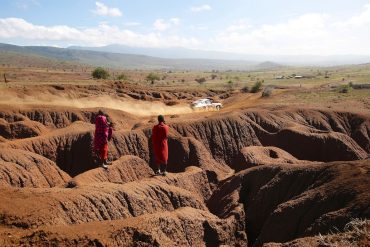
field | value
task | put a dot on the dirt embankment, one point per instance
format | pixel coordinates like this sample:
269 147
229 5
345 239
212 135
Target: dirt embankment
244 178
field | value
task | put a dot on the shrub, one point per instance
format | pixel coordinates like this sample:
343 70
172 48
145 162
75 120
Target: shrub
152 78
213 76
257 87
201 80
100 73
245 89
345 88
267 92
230 84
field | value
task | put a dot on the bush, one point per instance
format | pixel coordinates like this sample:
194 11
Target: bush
122 77
213 76
267 92
201 80
345 88
230 84
245 89
257 87
152 77
100 73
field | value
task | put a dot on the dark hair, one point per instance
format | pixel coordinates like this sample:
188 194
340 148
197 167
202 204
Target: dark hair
100 112
160 118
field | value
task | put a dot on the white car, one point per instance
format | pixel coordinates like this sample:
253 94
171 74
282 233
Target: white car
205 104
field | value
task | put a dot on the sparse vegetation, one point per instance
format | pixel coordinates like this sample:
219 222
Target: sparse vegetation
100 73
152 78
345 88
213 76
122 77
257 86
245 89
201 80
267 92
230 84
355 234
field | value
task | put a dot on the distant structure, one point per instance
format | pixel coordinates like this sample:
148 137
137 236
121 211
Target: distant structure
298 77
279 77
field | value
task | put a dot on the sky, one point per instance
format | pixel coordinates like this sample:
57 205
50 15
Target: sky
266 27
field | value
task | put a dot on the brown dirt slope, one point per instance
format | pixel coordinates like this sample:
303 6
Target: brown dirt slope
104 201
279 203
126 169
183 227
259 155
19 168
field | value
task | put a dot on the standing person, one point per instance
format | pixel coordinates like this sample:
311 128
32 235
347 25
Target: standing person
160 146
103 133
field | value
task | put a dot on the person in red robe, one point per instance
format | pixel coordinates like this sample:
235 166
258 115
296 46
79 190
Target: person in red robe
103 133
160 145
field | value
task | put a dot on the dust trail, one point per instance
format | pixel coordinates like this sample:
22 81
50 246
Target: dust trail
135 107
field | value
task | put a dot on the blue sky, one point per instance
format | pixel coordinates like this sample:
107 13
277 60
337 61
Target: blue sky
318 27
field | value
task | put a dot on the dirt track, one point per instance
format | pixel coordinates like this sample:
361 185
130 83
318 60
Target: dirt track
241 176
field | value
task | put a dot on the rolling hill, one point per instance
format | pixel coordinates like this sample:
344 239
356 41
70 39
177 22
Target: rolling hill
12 53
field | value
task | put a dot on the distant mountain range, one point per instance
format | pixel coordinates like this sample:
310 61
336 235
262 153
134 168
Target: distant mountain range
123 61
124 57
183 53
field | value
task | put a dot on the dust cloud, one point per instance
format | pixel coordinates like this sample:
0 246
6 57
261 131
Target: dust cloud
135 107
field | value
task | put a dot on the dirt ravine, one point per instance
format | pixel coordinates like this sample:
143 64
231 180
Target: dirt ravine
246 177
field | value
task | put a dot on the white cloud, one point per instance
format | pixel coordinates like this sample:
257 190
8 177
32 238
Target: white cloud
358 20
314 33
104 10
201 8
238 25
104 34
162 25
132 24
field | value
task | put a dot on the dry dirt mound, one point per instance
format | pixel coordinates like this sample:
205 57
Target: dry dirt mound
182 227
126 169
278 203
19 168
61 117
21 129
258 155
70 148
201 202
313 135
104 201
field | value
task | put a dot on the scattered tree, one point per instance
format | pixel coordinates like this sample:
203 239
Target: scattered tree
213 76
152 78
257 86
100 73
